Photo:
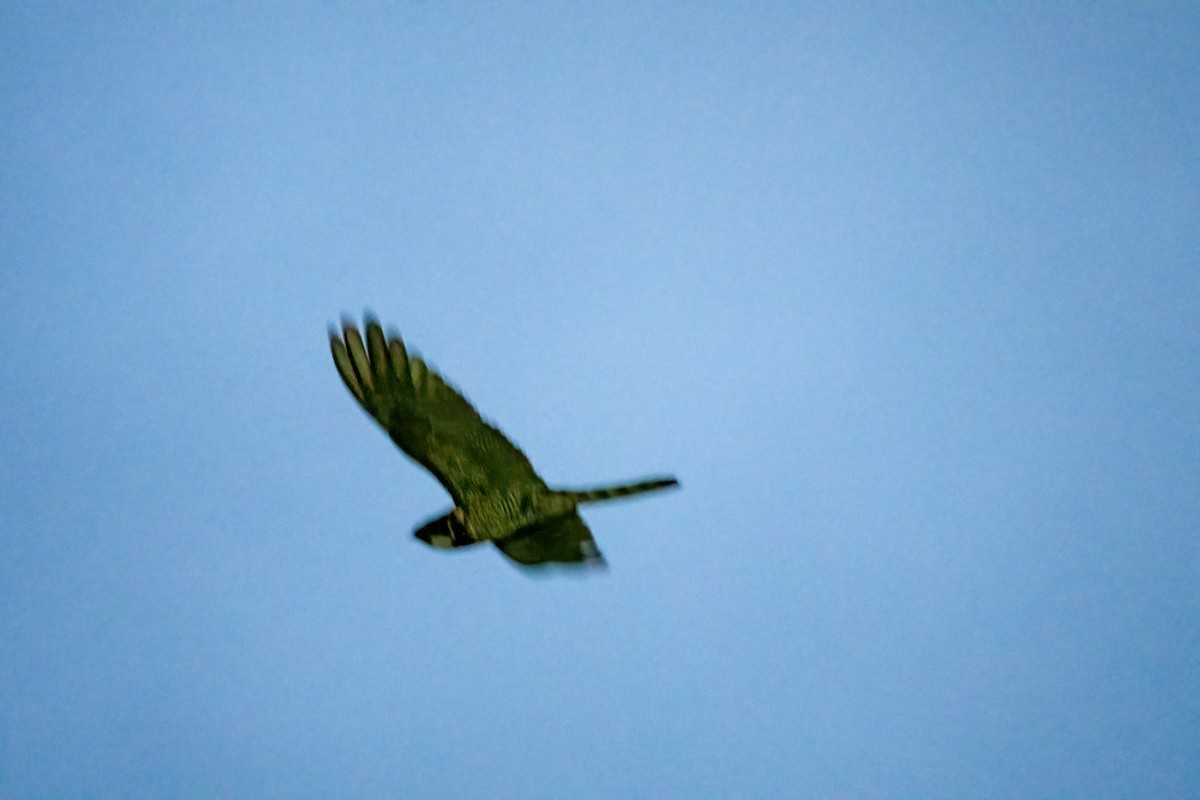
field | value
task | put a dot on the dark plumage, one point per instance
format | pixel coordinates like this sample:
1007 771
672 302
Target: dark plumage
497 495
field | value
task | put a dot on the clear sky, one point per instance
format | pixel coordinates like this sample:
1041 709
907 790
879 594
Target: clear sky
906 295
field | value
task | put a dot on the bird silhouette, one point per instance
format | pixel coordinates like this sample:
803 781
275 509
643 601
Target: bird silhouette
498 497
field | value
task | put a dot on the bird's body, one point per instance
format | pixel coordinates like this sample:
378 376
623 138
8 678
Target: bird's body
497 495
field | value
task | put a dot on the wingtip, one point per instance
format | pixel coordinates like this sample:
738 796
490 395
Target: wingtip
592 557
347 324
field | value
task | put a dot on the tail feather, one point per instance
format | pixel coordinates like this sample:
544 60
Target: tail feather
614 492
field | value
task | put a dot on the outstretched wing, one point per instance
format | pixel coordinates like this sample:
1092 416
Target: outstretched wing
426 417
558 540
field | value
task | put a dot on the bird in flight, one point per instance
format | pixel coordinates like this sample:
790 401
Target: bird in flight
497 495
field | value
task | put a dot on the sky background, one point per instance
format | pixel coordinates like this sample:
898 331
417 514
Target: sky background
906 295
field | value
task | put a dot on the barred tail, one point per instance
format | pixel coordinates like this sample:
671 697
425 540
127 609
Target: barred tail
613 492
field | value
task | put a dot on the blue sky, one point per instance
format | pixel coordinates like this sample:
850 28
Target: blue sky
905 294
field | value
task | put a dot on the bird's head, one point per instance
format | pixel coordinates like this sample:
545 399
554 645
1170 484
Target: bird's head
445 532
